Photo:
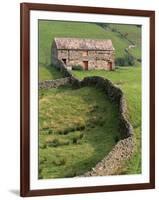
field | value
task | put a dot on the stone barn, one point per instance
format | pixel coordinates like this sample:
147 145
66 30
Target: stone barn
86 53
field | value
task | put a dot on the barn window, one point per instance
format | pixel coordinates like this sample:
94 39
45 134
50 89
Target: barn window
64 60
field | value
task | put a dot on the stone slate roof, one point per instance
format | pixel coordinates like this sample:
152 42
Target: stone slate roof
83 44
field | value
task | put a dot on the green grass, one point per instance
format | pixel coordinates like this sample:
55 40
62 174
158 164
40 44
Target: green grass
48 30
48 73
132 33
129 80
77 128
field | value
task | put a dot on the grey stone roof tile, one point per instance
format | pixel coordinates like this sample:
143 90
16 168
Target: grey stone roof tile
83 44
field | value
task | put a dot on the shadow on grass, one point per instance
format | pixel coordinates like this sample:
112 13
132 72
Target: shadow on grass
53 71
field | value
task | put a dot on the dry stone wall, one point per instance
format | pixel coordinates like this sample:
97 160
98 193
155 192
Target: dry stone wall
53 83
113 162
124 148
61 66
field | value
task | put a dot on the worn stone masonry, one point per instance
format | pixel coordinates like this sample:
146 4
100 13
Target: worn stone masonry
86 53
124 148
53 83
58 82
111 163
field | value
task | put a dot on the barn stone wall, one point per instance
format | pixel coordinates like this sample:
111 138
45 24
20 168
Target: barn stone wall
96 59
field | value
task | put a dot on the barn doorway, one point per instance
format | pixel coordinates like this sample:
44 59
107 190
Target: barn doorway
110 66
85 63
64 60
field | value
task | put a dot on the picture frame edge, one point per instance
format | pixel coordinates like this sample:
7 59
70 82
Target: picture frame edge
25 191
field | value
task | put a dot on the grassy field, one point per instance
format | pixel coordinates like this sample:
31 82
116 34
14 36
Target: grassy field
133 34
129 80
48 73
77 128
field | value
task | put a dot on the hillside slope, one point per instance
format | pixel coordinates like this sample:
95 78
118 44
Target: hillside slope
131 33
48 30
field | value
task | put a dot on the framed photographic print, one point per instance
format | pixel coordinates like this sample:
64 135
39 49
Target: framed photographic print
87 99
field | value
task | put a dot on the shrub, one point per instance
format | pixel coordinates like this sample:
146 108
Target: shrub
127 60
77 67
130 59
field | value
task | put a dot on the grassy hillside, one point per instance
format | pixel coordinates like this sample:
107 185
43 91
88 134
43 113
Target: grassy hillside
129 80
132 33
48 73
48 30
77 129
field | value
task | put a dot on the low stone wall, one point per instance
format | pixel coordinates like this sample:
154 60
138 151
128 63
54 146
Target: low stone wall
62 67
54 83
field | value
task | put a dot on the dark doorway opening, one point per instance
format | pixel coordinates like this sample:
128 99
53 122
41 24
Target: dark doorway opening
110 66
85 63
64 60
